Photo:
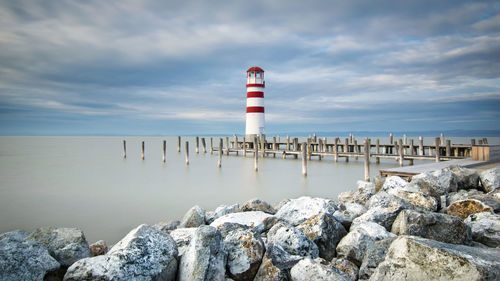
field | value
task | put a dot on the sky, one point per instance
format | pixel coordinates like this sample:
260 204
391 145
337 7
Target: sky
178 67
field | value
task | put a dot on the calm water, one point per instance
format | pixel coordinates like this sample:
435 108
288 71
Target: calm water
84 182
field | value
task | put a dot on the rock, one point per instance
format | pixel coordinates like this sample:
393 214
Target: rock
489 199
490 179
221 211
485 228
374 256
464 208
145 253
462 194
447 179
292 240
416 258
360 196
325 231
66 245
379 182
280 204
347 212
267 224
182 238
205 259
167 227
366 187
258 205
436 226
251 219
269 272
467 178
193 218
436 184
22 259
281 258
244 253
98 248
298 210
308 269
418 200
359 239
346 266
394 184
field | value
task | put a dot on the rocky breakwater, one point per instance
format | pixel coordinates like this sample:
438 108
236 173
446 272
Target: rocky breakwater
443 225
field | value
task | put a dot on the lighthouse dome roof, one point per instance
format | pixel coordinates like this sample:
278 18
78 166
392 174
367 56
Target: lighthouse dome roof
255 68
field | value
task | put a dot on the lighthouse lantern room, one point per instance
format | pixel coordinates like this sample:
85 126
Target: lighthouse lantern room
255 101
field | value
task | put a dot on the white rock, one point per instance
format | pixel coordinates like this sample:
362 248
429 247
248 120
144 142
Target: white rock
251 219
300 209
308 269
394 184
245 252
490 179
485 228
194 217
292 240
220 211
347 212
182 237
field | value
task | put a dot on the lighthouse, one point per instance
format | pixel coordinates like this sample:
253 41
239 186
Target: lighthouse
255 101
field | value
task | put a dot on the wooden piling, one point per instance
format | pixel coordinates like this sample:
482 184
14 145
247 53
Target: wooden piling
420 146
263 145
197 145
178 144
211 145
304 159
314 138
204 145
142 154
320 147
448 147
287 143
401 151
391 138
256 154
236 144
405 139
309 152
227 145
219 156
367 159
244 146
442 143
377 149
335 149
187 153
274 147
164 151
436 143
356 149
124 149
472 142
346 149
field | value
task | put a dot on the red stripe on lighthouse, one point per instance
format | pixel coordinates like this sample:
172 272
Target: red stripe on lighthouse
256 85
255 94
255 109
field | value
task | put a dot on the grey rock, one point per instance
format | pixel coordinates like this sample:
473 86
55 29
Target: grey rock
194 217
418 200
66 245
436 184
267 224
394 184
360 196
251 219
308 269
416 258
485 228
467 178
221 211
462 194
384 208
488 199
346 266
374 256
347 212
436 226
379 182
464 208
167 227
280 204
22 259
281 258
298 210
490 179
359 239
270 272
366 187
98 248
145 253
258 205
292 240
245 251
325 231
205 259
182 238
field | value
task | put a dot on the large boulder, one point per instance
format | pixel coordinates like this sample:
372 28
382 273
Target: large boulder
145 253
22 259
437 183
490 179
244 253
292 240
194 217
418 200
346 266
66 245
167 226
416 258
347 212
485 228
467 178
393 184
308 269
220 211
298 210
436 226
258 205
325 231
464 208
205 259
462 194
251 219
359 239
489 199
182 237
360 196
269 271
374 256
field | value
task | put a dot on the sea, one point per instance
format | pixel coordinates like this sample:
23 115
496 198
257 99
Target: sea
85 182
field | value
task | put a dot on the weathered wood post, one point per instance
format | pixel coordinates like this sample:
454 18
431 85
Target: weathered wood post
401 152
256 154
314 138
124 149
356 149
274 147
179 144
309 152
227 145
244 146
346 149
412 151
142 153
351 138
391 138
236 144
442 143
187 153
304 159
211 145
164 151
420 146
197 145
448 148
436 143
263 145
320 148
204 145
219 156
377 149
405 142
287 143
367 159
336 149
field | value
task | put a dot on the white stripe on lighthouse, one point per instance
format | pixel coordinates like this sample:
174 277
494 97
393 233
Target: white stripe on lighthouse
255 102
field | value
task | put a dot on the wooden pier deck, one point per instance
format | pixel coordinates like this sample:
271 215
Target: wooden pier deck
409 171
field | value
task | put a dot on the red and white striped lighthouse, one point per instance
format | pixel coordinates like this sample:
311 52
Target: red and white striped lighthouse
255 101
